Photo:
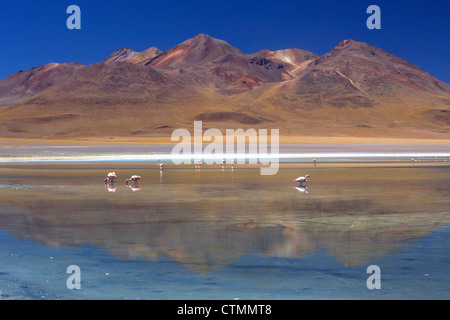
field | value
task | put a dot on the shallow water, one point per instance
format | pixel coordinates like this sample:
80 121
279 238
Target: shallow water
224 234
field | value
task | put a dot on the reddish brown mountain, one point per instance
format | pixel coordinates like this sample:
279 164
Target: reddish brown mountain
196 51
355 90
357 85
362 70
120 98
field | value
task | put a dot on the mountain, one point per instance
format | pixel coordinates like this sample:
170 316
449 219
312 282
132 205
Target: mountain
360 69
357 85
196 51
215 65
117 98
356 89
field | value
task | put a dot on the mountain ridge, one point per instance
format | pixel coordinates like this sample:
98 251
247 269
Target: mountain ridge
355 89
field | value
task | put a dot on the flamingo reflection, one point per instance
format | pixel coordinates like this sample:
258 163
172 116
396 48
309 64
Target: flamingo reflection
134 188
302 189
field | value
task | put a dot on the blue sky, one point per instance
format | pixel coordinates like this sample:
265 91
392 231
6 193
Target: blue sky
35 33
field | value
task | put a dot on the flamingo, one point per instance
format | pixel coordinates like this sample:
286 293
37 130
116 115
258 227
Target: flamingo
302 179
133 178
110 178
161 165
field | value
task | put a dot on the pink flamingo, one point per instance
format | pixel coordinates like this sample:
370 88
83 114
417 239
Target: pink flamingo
133 178
110 178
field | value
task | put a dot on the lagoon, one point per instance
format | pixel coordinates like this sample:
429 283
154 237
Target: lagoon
218 233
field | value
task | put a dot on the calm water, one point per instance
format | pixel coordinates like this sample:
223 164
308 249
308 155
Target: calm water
224 234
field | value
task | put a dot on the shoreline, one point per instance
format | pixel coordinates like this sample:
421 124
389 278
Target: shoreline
283 140
343 148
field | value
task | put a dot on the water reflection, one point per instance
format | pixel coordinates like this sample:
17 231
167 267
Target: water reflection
209 219
112 188
302 189
134 188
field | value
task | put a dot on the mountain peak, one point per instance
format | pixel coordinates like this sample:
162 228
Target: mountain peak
202 35
145 56
348 47
202 39
200 49
345 43
120 55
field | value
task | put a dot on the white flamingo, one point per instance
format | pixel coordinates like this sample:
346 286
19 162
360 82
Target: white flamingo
302 179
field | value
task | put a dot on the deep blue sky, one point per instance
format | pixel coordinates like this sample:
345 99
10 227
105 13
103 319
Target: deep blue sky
33 33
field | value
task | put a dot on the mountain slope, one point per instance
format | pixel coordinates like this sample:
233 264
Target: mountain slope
131 56
24 84
145 56
117 98
120 55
